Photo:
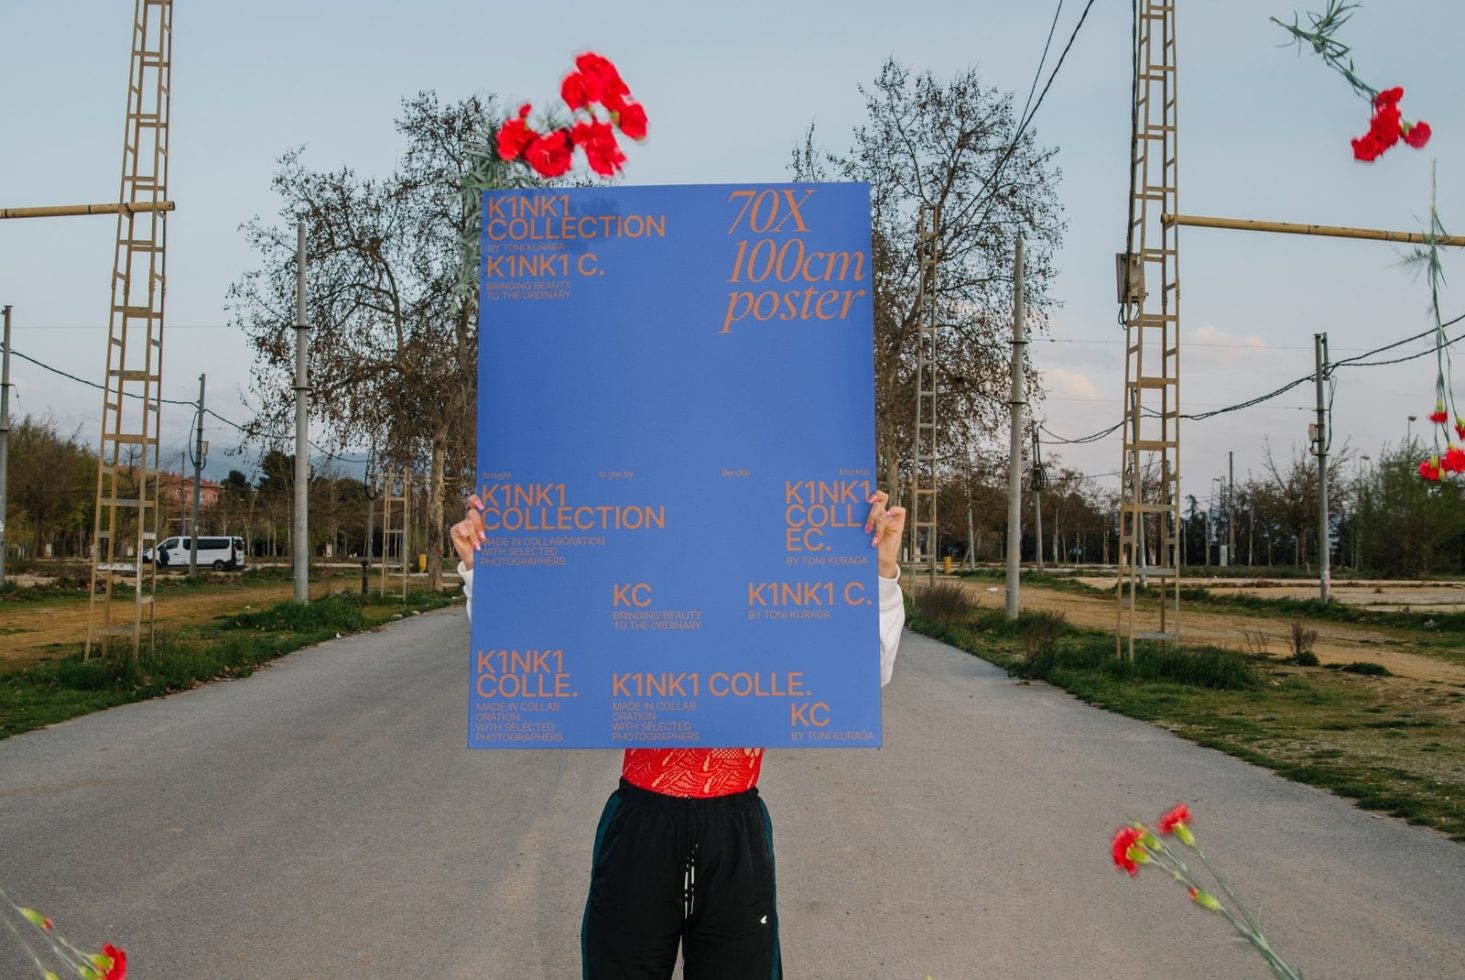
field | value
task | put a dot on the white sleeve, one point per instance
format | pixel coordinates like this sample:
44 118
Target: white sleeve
466 574
892 621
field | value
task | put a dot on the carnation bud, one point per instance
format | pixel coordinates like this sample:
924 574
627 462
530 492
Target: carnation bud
1205 900
36 919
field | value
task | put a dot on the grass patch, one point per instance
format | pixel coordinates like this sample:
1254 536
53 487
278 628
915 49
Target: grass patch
61 590
1367 669
1432 623
1387 743
945 603
55 690
1094 657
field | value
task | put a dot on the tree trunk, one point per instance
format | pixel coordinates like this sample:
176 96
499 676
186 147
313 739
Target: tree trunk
435 508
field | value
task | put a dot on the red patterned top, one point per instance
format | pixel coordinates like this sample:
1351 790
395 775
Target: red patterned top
701 773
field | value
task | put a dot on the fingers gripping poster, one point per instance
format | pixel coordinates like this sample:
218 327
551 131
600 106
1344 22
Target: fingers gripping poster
675 450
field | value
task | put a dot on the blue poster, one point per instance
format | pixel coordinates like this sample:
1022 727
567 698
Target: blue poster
675 449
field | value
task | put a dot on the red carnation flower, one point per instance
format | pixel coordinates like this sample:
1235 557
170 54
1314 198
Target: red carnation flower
1126 838
1367 148
579 90
594 82
632 120
1418 134
118 969
1439 416
602 151
1385 125
515 135
551 154
1460 426
613 91
1389 96
1454 460
1430 469
1180 814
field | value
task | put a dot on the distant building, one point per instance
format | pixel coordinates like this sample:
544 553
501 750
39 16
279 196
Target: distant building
175 496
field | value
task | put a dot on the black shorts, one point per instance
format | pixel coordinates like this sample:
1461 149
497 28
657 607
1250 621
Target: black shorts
695 873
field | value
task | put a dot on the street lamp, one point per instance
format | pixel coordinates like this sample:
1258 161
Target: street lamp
1409 432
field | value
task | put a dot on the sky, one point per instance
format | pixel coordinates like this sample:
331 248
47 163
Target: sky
730 89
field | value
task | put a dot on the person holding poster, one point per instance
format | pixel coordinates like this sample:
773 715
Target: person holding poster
683 854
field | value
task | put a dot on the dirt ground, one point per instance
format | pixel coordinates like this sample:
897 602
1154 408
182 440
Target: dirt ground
31 631
34 631
1336 642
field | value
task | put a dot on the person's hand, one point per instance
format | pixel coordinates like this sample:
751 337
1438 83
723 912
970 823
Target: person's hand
886 527
468 533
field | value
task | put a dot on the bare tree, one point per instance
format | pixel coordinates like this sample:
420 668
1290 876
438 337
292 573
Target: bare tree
394 340
1289 496
955 145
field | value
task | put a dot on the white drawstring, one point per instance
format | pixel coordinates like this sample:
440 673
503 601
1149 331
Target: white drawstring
689 884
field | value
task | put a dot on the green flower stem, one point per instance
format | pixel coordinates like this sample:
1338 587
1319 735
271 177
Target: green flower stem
1443 388
1226 887
64 951
1166 859
1429 257
1330 49
29 951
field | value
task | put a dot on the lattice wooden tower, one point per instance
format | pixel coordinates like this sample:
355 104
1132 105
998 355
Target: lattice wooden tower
924 477
396 498
1149 289
129 465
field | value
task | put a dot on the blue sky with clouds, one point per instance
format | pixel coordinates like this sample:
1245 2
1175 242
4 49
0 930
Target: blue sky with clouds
730 90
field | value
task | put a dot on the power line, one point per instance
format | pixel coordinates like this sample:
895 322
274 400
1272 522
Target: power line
1071 38
1356 361
90 384
1028 117
193 405
1189 344
1038 72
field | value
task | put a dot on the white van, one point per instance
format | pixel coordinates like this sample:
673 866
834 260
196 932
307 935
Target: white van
216 553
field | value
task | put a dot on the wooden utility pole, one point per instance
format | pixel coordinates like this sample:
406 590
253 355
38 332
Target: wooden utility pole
128 465
127 496
1329 231
4 440
923 503
1148 280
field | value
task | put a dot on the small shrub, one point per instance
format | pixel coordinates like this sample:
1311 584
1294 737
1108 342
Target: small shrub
1040 632
945 604
1257 643
1303 637
1306 659
1209 667
1367 669
76 674
335 613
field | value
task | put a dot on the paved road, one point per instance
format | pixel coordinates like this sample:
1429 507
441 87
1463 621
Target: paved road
322 819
